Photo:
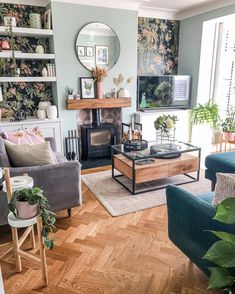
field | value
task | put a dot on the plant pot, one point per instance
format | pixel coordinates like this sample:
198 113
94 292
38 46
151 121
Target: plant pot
70 97
229 136
26 210
35 21
52 112
43 105
39 49
99 90
41 114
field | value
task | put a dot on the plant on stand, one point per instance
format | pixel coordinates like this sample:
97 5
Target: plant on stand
99 73
120 82
30 202
228 125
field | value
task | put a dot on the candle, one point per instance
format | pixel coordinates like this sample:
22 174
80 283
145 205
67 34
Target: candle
130 133
132 123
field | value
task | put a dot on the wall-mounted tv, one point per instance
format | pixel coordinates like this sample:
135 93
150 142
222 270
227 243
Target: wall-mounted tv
156 92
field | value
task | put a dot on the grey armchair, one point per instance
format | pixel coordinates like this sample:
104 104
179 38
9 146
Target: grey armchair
60 182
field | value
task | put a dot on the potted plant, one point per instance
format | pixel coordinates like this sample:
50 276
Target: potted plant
228 126
122 92
99 73
165 123
207 113
29 202
69 92
222 252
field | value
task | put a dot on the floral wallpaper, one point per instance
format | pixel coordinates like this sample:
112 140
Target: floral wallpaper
23 97
157 46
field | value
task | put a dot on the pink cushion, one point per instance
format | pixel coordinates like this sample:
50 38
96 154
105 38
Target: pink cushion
31 137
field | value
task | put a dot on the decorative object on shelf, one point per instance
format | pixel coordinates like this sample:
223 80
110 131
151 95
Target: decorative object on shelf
35 21
228 125
51 69
206 114
35 196
135 145
76 96
113 93
18 72
9 20
39 49
69 92
41 114
99 74
122 92
87 88
165 127
44 72
43 105
47 19
5 45
52 112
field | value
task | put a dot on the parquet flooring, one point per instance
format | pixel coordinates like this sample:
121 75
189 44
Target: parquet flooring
97 254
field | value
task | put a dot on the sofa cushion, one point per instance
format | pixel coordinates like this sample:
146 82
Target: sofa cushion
225 187
32 137
221 162
30 155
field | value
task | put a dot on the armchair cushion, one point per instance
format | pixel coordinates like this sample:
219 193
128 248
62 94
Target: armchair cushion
33 136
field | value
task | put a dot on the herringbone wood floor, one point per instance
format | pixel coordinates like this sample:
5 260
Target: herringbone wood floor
96 253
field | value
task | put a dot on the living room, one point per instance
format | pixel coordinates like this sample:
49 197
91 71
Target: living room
117 146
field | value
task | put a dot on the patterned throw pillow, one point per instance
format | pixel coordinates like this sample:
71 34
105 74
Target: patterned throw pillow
225 187
31 137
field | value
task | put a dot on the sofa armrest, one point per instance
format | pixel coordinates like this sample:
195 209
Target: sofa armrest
61 183
189 221
52 143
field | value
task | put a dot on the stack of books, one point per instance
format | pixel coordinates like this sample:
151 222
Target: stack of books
51 69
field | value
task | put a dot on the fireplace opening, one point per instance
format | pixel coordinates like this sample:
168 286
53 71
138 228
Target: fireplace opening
97 140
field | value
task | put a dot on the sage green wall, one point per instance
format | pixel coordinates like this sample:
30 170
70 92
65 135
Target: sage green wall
190 44
68 19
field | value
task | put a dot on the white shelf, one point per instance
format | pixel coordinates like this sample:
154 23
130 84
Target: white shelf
21 55
27 32
26 79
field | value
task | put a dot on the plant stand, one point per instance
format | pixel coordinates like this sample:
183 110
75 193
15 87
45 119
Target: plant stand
28 224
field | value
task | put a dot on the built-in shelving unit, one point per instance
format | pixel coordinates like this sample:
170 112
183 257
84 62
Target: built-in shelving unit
26 79
27 32
22 55
95 103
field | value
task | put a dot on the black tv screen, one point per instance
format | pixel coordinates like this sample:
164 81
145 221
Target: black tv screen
156 92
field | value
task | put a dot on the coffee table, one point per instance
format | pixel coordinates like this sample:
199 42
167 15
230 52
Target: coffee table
169 160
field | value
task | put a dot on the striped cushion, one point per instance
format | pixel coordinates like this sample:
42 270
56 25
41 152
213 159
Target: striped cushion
225 187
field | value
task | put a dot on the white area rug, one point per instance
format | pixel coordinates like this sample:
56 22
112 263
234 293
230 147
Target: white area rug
118 201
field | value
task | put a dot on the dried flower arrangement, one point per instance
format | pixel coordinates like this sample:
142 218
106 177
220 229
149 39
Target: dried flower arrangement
99 73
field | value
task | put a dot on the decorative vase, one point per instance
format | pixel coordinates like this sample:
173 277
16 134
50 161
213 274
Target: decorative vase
35 21
99 89
5 45
41 114
52 112
9 20
123 92
44 72
39 49
70 97
229 136
26 210
43 105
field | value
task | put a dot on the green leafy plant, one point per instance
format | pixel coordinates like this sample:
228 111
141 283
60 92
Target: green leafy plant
35 196
228 125
207 113
222 252
69 91
163 90
165 123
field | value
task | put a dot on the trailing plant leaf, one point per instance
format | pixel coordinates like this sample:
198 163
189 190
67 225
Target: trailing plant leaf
219 278
225 211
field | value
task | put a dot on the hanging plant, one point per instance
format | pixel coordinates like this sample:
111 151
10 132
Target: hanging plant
207 113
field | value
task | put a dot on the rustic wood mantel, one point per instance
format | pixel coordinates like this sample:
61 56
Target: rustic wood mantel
78 104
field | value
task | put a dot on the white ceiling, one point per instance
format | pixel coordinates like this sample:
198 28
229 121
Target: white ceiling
171 9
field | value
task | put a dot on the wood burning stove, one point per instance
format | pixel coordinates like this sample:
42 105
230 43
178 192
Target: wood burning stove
97 140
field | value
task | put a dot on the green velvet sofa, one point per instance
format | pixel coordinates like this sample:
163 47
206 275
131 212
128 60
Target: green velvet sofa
189 222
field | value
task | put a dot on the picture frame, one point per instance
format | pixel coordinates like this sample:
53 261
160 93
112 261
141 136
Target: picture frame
47 19
81 51
87 88
101 55
89 51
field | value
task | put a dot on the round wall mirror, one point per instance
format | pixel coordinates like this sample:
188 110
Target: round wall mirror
97 44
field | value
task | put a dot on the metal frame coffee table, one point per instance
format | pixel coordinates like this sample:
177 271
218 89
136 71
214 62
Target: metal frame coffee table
181 163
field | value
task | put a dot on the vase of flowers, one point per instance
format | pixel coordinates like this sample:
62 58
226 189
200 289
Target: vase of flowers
165 126
99 73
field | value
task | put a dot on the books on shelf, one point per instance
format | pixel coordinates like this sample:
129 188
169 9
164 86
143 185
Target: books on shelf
51 69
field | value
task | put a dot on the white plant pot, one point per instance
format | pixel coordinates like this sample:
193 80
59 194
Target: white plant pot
44 72
39 49
123 93
70 97
41 114
9 20
52 112
43 105
35 21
